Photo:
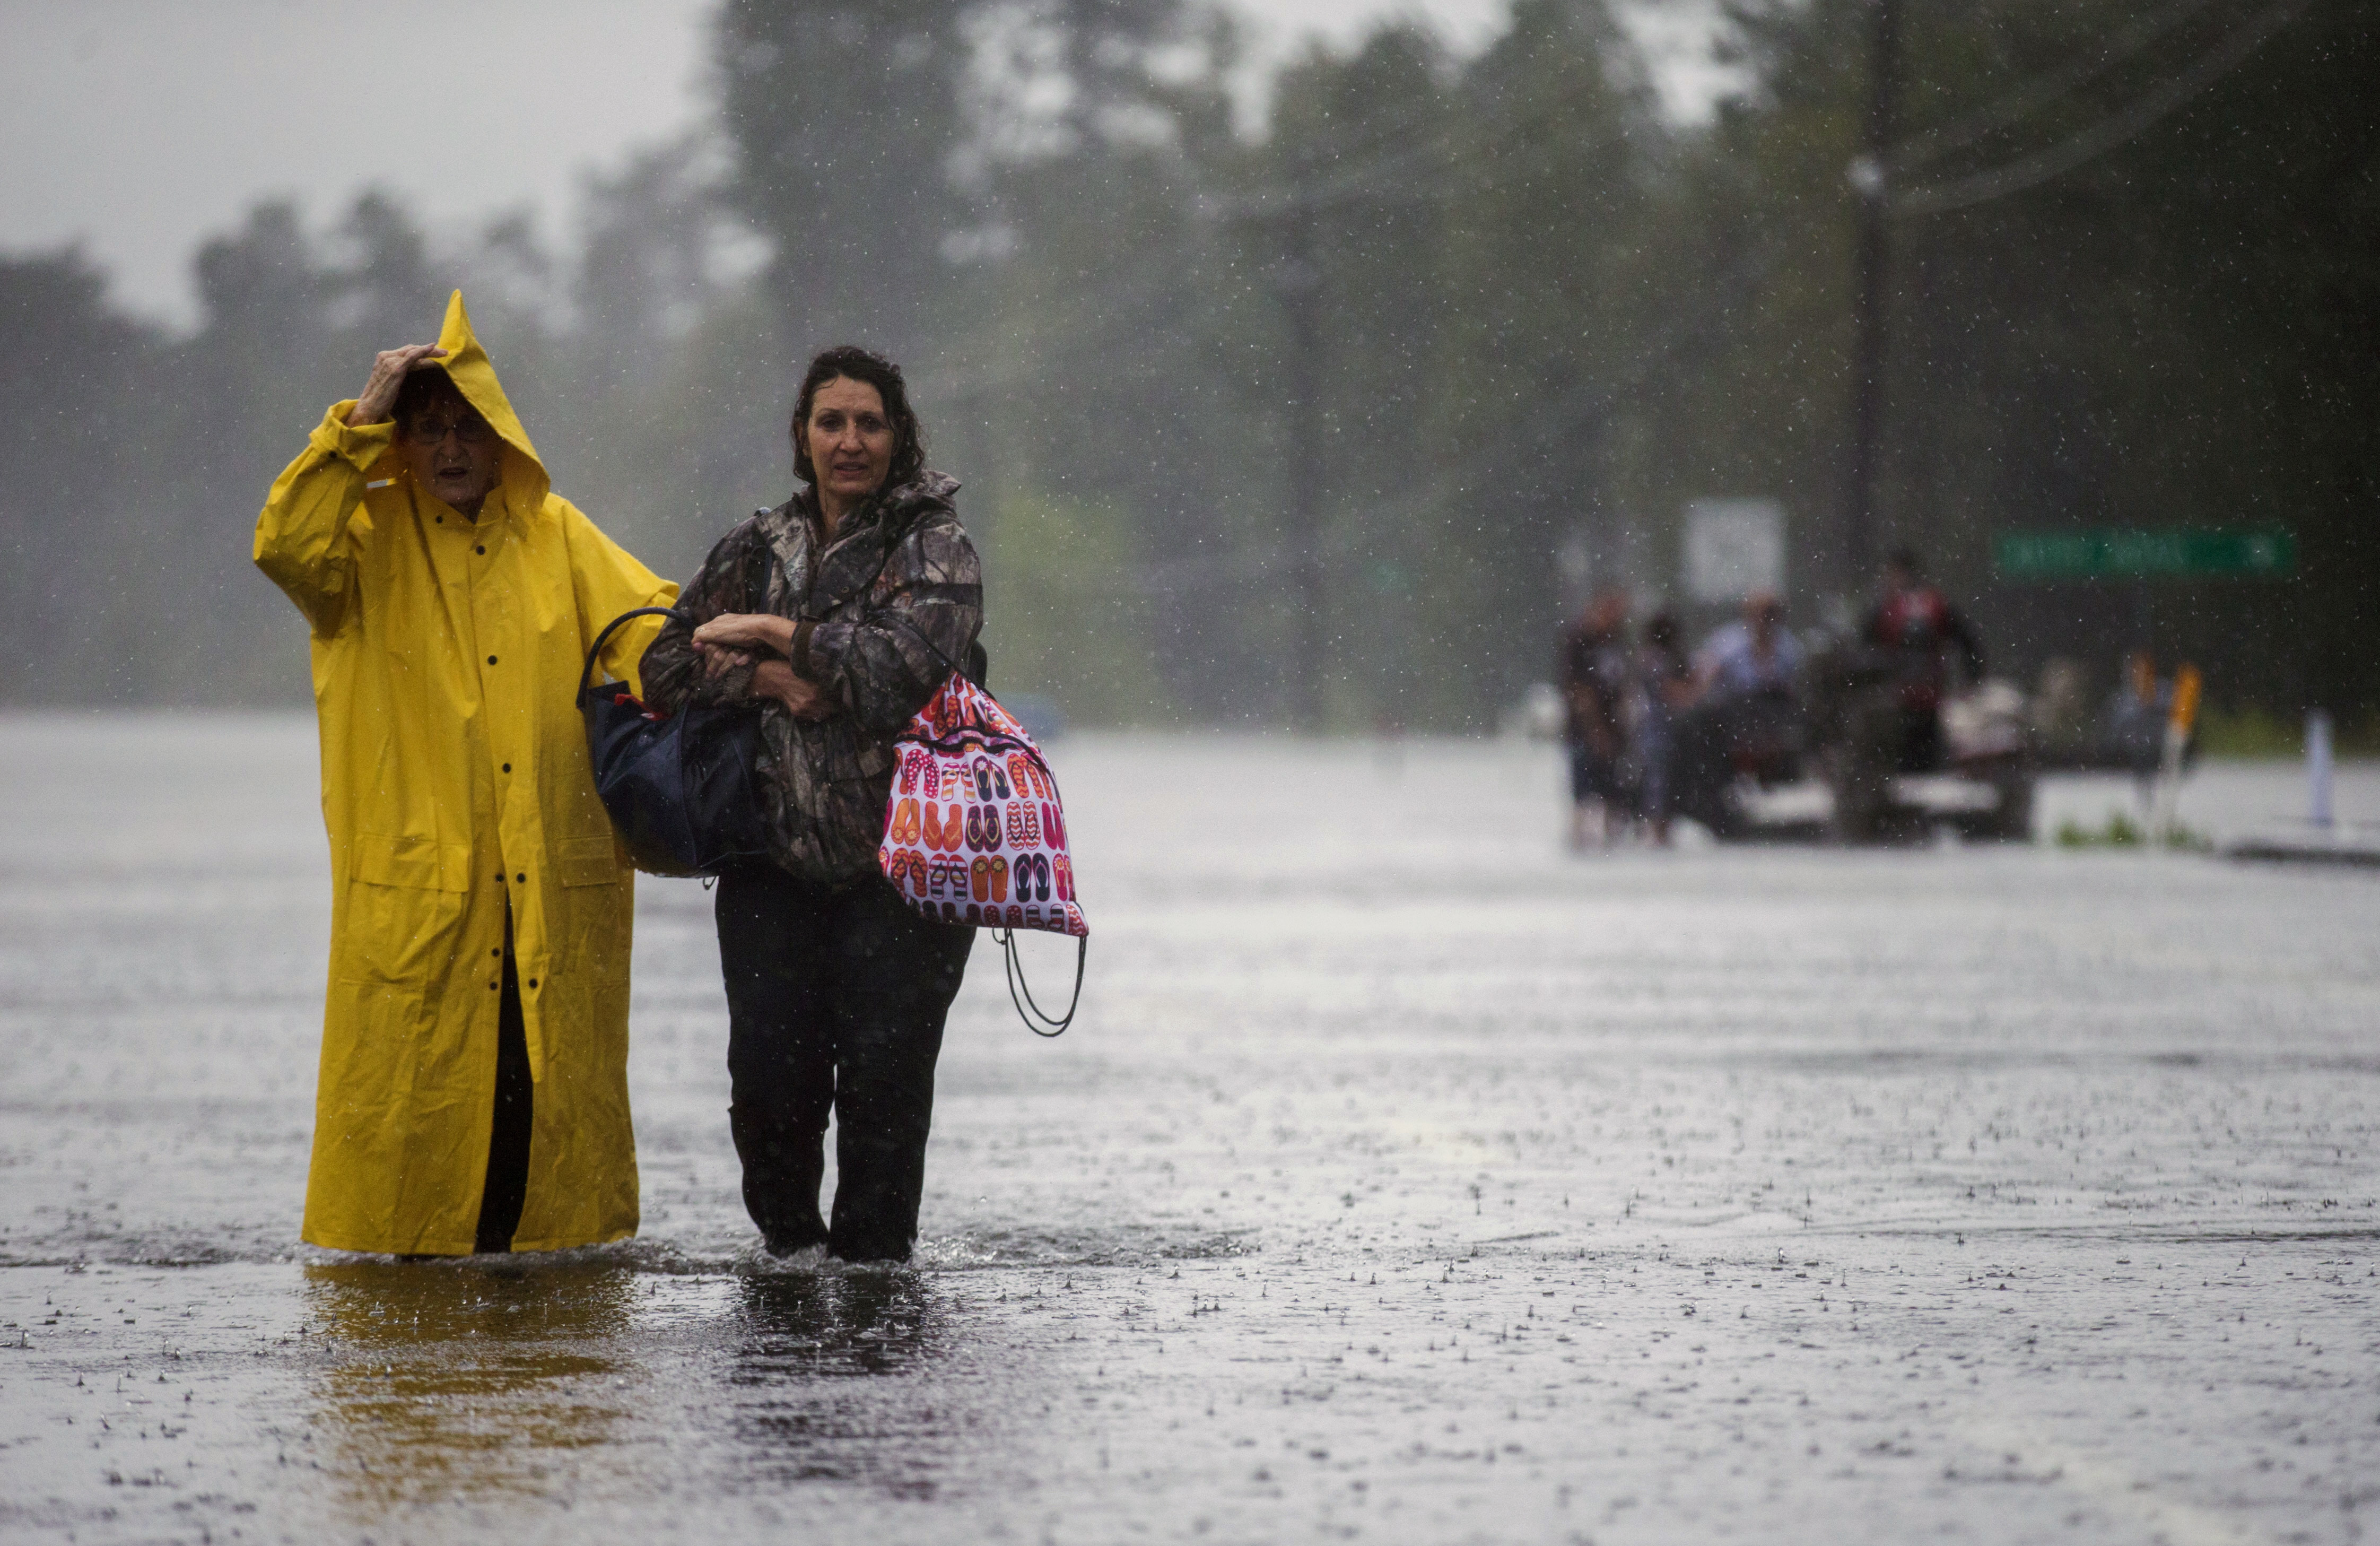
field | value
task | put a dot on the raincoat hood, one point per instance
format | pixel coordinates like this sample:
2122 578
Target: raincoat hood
525 481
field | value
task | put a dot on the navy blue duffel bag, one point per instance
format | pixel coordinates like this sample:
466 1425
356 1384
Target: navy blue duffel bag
684 791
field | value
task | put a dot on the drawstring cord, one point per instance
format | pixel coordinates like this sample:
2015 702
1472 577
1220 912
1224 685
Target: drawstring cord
1020 992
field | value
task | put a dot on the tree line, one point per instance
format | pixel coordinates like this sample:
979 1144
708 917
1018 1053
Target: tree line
1340 415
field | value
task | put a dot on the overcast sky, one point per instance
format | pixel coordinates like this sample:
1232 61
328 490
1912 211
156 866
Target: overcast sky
138 127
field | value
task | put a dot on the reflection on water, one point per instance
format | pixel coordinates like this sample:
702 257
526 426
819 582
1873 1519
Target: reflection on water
863 1322
461 1381
808 1410
441 1381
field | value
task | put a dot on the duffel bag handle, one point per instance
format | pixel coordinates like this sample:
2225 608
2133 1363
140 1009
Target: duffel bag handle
587 673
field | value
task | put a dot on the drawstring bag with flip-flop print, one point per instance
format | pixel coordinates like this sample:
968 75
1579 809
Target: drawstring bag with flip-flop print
973 833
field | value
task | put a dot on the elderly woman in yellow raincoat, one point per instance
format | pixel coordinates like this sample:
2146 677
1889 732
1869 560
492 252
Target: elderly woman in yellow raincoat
473 1093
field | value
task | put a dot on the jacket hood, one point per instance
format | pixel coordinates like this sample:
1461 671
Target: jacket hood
898 506
846 563
467 364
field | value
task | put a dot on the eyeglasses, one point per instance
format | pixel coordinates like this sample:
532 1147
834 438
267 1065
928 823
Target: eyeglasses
430 432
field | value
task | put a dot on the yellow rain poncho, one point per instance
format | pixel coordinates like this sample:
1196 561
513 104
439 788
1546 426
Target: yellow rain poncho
455 781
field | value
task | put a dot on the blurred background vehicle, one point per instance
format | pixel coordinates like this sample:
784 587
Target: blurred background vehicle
1834 757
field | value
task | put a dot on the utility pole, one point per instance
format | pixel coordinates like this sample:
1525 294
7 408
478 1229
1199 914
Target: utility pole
1298 281
1868 178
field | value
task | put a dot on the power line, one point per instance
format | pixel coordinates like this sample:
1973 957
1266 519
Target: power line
1146 276
2056 161
2047 87
1151 274
1686 338
1373 179
1090 317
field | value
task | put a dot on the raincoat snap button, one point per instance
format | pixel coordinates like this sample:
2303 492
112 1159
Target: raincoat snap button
492 660
481 550
495 951
508 767
522 877
532 981
492 987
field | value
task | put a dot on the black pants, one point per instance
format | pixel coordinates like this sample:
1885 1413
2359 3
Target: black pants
835 1001
1700 768
507 1182
1921 739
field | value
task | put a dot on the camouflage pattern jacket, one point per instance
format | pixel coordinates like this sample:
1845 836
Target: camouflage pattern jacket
895 601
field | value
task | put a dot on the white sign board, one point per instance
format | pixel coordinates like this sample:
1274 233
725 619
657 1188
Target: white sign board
1733 547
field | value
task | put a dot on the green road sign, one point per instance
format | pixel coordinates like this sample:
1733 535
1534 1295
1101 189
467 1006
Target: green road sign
2256 552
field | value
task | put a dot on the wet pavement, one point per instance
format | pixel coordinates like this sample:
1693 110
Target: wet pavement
1406 1178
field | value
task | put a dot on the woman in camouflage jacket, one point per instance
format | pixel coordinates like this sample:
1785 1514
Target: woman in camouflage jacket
839 613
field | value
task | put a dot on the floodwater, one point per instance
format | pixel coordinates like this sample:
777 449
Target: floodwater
1405 1179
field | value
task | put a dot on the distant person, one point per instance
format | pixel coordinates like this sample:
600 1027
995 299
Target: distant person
1755 655
474 1085
837 615
1666 689
1748 681
2132 723
1918 627
1592 668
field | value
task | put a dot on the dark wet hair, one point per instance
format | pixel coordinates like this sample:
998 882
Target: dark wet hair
855 363
422 389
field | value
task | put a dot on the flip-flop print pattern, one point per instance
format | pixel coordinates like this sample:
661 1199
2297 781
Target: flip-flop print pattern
974 831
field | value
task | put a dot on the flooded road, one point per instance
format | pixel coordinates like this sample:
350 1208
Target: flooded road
1403 1180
